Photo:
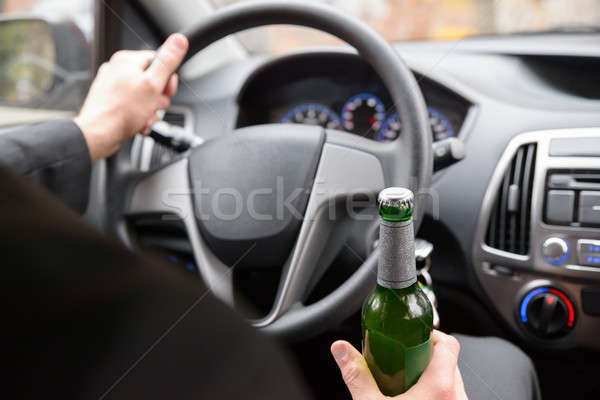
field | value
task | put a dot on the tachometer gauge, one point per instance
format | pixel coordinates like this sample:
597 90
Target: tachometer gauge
441 128
312 114
363 113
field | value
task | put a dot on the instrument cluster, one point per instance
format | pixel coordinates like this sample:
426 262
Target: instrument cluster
341 92
364 114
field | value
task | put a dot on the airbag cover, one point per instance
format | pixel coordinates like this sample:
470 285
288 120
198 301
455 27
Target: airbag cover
250 191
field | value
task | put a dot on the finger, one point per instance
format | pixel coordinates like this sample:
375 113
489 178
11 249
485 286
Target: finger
147 127
171 87
461 394
147 60
445 354
168 58
163 102
137 57
354 371
439 376
153 119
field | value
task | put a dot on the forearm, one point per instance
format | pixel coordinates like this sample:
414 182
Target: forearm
53 155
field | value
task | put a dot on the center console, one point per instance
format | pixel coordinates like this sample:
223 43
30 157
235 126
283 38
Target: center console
537 243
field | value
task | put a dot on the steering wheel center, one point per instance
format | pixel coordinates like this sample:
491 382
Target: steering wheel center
250 191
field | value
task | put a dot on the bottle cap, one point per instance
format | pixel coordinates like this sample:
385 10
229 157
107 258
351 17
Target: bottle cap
396 204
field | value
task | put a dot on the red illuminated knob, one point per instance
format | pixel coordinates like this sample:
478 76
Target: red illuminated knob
547 312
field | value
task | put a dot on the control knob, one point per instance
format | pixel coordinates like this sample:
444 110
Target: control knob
547 312
555 250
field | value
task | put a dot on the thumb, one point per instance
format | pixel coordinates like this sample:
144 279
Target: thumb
354 371
440 380
168 58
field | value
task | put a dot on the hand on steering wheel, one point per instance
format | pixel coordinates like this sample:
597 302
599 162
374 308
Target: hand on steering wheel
126 94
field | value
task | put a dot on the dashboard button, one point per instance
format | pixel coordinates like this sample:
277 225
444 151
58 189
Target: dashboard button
589 207
590 300
588 252
559 209
575 147
555 250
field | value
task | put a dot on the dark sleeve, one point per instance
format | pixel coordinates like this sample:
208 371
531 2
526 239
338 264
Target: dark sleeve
53 155
84 317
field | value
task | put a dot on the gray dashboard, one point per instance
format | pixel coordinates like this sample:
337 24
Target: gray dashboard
514 85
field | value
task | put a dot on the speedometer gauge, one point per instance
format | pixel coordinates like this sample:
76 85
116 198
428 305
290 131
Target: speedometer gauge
441 128
362 113
312 114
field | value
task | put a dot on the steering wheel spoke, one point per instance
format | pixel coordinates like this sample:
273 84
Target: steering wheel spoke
344 175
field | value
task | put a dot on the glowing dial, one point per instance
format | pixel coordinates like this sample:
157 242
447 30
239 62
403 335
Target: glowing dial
363 113
547 312
441 128
312 114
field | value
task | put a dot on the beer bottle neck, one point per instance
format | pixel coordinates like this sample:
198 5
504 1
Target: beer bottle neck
397 269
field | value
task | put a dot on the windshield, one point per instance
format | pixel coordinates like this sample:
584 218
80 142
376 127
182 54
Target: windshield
402 20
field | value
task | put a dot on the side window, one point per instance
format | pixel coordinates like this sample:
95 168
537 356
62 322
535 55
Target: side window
44 58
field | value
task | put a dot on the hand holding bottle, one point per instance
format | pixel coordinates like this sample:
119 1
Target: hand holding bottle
441 380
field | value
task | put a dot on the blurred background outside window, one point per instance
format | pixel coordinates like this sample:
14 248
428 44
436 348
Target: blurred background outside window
78 11
46 71
400 20
44 63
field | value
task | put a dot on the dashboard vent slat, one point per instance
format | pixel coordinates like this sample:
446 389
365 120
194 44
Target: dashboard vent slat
174 118
164 236
513 193
526 191
165 232
509 224
161 155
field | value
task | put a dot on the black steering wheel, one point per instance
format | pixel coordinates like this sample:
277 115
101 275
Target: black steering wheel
292 175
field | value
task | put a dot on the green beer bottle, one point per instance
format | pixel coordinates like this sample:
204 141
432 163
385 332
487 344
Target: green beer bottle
397 317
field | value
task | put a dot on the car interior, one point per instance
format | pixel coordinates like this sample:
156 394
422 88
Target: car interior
498 134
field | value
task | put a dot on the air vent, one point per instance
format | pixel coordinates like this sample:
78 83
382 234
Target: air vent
167 234
509 223
174 118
